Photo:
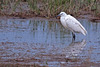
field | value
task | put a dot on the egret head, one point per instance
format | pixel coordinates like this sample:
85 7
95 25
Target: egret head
62 14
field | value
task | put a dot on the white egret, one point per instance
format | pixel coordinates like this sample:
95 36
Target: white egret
72 24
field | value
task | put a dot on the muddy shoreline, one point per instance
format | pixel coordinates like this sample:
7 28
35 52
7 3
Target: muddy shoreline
83 15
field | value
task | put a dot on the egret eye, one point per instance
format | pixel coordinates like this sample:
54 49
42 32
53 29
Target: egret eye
61 13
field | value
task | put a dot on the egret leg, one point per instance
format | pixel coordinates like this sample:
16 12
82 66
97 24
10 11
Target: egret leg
73 35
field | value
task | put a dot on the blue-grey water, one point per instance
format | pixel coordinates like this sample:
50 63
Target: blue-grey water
46 42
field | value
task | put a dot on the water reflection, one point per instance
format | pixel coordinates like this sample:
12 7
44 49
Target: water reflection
37 40
43 31
74 49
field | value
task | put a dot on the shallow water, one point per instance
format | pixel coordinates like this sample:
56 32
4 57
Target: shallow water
46 43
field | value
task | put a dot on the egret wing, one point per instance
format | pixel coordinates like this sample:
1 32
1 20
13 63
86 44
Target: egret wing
74 25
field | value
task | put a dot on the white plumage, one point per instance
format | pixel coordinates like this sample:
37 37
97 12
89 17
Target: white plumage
69 22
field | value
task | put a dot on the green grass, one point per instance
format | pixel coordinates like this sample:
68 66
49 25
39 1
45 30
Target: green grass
50 8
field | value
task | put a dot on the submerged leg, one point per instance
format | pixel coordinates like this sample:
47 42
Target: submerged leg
73 36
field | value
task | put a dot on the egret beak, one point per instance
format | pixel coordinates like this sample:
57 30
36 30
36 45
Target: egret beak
58 16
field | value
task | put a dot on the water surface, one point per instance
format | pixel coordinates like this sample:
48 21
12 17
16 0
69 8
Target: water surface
46 43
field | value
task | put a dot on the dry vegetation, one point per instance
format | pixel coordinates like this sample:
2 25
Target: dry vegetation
48 8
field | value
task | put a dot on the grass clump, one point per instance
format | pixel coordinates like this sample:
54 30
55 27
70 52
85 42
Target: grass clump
50 8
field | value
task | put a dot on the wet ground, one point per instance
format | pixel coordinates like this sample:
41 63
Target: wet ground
38 42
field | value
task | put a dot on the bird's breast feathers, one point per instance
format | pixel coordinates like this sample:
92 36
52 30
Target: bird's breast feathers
63 21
